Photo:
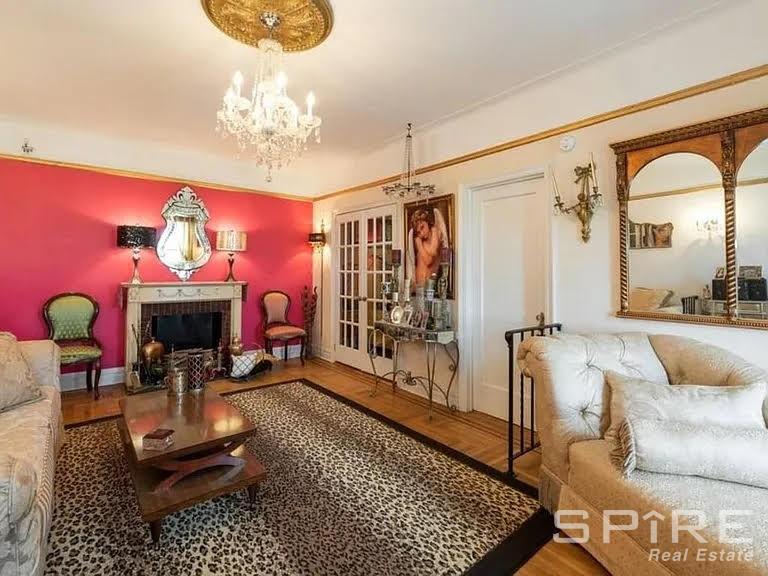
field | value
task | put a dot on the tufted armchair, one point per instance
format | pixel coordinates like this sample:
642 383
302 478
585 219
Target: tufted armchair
274 307
70 318
576 473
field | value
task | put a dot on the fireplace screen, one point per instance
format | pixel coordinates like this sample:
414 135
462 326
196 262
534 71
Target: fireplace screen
186 331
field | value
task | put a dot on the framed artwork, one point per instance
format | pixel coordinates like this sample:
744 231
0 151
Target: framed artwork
429 234
646 235
750 271
720 272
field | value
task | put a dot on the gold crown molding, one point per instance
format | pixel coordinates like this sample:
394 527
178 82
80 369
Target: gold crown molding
698 89
695 319
149 176
303 23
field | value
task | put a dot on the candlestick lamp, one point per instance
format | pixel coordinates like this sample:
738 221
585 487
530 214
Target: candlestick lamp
230 241
136 238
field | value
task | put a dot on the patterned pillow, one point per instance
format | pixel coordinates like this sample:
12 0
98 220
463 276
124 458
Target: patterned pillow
730 406
691 449
17 386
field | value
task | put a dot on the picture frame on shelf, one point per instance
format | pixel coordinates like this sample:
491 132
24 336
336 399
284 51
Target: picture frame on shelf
750 272
719 272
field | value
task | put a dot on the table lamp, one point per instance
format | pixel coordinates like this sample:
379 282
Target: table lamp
230 241
136 238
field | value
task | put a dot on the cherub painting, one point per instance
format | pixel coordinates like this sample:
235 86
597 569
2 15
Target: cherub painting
429 241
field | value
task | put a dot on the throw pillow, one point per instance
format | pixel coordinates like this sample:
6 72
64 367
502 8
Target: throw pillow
649 299
720 453
729 406
17 386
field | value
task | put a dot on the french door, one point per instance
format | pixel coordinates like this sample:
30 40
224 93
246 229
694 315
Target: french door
363 261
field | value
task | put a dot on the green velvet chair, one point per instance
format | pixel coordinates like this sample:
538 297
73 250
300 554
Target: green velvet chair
70 318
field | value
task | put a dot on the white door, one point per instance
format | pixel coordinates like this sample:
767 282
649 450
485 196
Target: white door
363 260
510 231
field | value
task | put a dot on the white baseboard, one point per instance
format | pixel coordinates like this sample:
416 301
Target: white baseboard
110 376
294 351
76 380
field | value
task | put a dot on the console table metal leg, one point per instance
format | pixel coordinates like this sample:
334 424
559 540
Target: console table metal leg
431 353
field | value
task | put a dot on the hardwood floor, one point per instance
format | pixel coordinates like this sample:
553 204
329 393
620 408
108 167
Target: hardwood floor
478 435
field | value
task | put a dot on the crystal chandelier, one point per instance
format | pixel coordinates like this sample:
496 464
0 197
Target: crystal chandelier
267 124
406 186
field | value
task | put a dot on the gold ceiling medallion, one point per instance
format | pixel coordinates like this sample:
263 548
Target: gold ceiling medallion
303 23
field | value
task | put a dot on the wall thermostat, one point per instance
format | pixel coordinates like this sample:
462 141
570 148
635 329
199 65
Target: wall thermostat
567 143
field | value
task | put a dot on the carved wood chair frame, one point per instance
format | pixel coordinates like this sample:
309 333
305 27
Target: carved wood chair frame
91 340
267 325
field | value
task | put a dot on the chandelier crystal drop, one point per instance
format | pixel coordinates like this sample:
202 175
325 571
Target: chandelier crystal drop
266 124
407 186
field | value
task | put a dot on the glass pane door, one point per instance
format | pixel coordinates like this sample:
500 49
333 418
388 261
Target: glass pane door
363 243
379 236
348 254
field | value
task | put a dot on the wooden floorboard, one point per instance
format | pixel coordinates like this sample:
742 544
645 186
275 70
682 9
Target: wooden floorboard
477 435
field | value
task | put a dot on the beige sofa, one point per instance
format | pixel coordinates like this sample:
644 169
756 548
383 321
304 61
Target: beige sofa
30 437
577 473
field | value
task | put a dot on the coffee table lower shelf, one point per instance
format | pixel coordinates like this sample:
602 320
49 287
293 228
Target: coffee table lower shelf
195 488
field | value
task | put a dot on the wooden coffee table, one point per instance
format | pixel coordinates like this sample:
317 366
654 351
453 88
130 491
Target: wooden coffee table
206 460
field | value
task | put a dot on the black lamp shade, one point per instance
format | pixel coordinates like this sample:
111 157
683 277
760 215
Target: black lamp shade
136 237
316 238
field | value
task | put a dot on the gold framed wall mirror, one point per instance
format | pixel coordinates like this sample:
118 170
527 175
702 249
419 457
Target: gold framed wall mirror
693 223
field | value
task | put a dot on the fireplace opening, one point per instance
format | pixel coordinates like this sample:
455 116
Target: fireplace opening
186 331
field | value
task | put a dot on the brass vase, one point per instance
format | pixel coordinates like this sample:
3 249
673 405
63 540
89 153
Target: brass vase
236 347
152 352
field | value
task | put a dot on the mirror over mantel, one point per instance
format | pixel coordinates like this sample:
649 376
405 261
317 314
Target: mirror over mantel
693 223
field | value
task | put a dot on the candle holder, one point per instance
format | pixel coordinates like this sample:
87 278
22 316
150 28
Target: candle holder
587 202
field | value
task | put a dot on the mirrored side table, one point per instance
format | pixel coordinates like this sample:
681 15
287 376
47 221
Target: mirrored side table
433 341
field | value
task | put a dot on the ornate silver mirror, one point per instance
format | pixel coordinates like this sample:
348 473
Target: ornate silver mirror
184 246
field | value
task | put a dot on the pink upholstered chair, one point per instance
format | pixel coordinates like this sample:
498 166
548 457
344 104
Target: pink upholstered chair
274 306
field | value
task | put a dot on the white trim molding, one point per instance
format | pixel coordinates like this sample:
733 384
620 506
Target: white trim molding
469 270
76 380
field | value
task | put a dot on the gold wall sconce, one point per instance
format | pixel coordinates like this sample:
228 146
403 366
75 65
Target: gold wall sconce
588 200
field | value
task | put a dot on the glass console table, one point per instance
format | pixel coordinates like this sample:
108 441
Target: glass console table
433 340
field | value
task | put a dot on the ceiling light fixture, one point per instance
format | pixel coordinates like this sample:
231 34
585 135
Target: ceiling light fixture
406 186
267 124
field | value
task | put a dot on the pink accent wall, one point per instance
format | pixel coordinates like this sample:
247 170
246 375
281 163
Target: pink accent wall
58 234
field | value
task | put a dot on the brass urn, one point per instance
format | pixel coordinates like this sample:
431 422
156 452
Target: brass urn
236 347
152 352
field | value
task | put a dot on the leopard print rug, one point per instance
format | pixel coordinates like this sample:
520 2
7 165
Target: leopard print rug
344 494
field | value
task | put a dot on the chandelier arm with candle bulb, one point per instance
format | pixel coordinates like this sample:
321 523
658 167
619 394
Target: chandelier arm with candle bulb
267 125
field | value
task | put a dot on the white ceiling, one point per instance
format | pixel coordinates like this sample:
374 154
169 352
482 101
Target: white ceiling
155 70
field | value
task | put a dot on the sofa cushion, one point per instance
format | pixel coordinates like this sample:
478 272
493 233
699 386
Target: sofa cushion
571 394
649 298
730 454
17 386
18 484
732 406
594 478
32 433
689 361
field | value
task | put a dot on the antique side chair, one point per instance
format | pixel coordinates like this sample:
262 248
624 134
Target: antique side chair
274 307
70 318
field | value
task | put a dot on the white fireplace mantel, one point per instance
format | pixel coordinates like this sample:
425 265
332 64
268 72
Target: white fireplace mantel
134 295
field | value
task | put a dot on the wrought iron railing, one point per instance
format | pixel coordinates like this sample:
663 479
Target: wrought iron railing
514 338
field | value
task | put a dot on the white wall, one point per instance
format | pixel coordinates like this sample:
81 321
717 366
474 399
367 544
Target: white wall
585 276
714 44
